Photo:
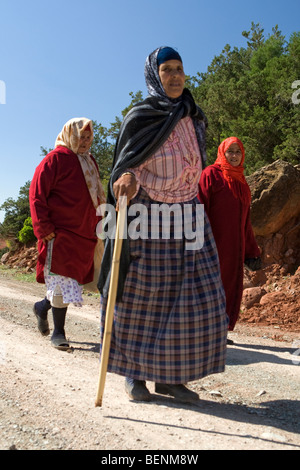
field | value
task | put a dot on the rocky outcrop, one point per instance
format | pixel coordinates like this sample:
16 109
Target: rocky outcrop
275 213
272 298
24 258
275 193
272 295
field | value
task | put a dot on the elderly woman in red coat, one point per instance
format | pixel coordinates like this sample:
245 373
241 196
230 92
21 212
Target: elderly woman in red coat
226 196
64 195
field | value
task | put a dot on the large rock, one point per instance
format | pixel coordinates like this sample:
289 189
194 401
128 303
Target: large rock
251 296
5 257
275 213
275 193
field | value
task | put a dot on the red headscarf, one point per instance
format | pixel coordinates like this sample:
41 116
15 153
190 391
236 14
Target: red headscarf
234 175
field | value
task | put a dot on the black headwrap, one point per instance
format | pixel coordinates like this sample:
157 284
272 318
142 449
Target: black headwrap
144 130
167 53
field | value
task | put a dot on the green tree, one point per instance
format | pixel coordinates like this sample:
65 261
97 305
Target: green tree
16 212
26 233
115 126
247 92
102 151
255 36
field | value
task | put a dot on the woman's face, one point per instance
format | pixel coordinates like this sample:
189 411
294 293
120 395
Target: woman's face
172 78
234 155
84 142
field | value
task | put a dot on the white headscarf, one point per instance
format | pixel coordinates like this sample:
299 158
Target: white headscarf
70 137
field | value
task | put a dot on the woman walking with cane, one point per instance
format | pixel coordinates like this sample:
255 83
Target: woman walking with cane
170 324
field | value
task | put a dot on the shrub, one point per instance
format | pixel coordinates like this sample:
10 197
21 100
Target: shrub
26 234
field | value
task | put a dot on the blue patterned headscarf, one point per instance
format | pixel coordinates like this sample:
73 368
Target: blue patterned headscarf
156 58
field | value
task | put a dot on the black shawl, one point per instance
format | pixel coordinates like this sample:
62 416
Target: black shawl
144 130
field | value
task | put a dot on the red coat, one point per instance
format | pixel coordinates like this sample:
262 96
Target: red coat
231 226
60 202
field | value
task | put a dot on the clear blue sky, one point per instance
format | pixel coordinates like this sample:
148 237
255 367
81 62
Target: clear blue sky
71 58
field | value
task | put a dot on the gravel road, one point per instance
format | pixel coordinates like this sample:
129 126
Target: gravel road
47 396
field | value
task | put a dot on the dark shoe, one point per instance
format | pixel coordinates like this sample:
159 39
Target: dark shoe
137 390
180 392
229 342
58 341
40 309
59 318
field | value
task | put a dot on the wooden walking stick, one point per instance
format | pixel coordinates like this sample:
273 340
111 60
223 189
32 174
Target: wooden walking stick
112 293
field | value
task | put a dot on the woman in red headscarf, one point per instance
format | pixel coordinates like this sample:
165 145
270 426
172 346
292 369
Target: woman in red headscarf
226 196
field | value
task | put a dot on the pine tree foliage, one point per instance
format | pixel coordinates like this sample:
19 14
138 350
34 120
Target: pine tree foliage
248 93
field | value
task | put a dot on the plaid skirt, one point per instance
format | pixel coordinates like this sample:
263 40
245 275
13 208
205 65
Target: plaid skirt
171 325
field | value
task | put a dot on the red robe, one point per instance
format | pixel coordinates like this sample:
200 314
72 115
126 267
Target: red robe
60 202
231 226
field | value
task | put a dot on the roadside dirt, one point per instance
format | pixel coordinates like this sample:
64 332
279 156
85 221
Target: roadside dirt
47 396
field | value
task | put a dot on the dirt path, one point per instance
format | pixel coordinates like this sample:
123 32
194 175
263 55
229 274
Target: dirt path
47 396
